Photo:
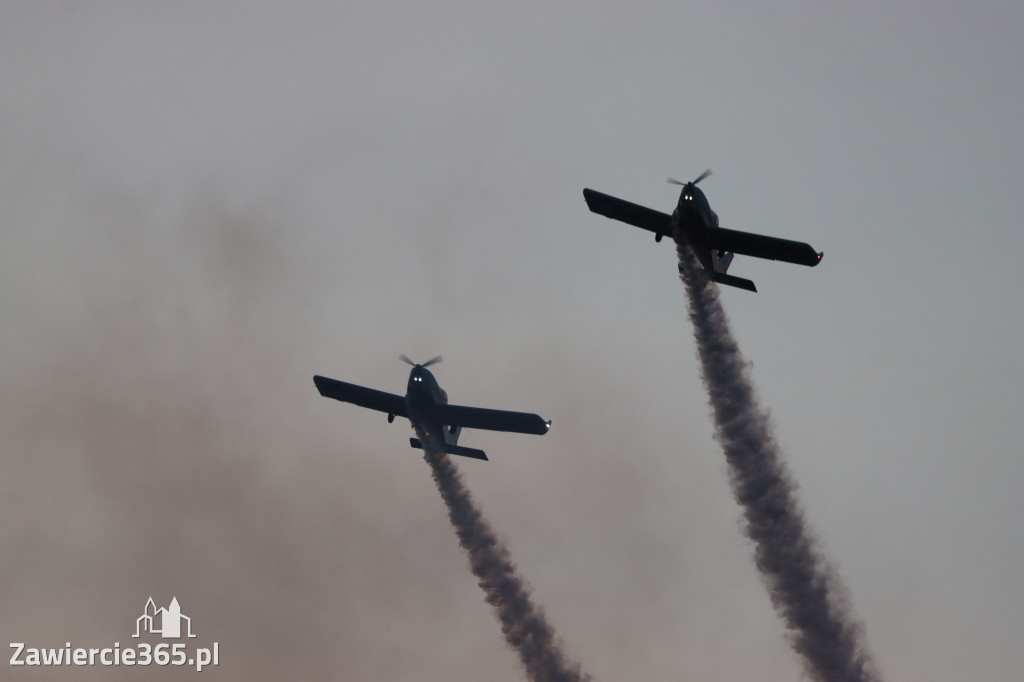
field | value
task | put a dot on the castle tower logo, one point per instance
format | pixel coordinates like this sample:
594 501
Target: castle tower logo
165 622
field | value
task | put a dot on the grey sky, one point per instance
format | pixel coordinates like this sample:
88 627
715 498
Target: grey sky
201 207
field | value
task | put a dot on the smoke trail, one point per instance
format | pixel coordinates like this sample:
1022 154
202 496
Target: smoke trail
805 590
523 623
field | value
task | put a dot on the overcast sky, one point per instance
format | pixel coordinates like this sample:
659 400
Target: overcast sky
202 205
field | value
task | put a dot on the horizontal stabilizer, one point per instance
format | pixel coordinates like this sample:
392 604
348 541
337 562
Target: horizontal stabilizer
733 281
453 449
729 280
465 452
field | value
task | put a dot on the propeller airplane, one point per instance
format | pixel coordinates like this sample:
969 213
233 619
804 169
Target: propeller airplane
693 224
426 405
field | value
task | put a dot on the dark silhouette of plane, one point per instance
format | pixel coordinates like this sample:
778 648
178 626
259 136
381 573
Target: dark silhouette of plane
695 225
426 405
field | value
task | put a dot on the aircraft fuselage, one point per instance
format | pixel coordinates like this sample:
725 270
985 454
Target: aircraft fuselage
692 212
422 398
691 219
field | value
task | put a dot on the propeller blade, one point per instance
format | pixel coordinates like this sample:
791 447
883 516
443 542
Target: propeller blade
702 176
433 361
673 181
406 360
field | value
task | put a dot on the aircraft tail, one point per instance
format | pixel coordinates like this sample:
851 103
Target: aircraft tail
729 280
724 261
733 281
453 449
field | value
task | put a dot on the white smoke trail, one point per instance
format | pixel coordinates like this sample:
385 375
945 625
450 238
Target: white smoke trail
523 623
805 590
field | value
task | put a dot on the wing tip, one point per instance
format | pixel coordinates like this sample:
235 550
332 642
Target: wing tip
539 427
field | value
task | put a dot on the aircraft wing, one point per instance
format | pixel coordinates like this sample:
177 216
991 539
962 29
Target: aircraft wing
760 246
358 395
492 420
634 214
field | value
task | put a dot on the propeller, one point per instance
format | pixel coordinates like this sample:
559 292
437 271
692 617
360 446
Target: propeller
694 182
428 363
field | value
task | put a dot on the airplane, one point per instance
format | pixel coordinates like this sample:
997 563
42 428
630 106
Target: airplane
695 225
426 405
